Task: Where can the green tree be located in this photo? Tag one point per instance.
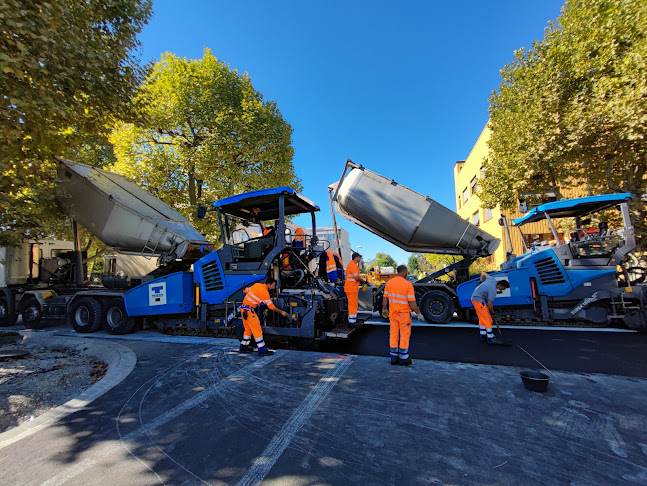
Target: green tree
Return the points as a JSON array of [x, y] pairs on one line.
[[384, 260], [68, 70], [571, 110], [412, 265], [206, 134]]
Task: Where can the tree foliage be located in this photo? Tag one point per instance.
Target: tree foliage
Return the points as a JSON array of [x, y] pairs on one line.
[[384, 260], [206, 134], [572, 109], [67, 70]]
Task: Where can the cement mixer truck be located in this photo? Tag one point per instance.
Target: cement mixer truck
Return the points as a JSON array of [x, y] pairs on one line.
[[583, 281]]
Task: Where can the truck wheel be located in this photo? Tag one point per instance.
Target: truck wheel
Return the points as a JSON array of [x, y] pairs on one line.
[[437, 307], [32, 314], [6, 318], [117, 320], [86, 315]]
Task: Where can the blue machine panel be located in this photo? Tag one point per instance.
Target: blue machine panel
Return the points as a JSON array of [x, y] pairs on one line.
[[170, 294], [215, 288]]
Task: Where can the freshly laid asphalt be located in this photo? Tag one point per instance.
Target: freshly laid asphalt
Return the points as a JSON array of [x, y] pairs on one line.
[[195, 411]]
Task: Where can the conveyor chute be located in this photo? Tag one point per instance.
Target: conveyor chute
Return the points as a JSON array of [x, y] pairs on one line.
[[122, 214], [409, 220]]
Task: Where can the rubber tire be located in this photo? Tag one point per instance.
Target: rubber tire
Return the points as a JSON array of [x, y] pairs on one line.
[[6, 319], [117, 321], [437, 307], [88, 309], [32, 314]]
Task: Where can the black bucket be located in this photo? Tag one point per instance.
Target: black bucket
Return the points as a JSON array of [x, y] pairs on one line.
[[535, 380]]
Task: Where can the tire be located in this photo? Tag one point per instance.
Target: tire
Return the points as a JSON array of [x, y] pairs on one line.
[[117, 320], [437, 307], [86, 315], [32, 317], [7, 318]]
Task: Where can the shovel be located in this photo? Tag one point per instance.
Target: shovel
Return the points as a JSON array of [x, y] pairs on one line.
[[502, 338]]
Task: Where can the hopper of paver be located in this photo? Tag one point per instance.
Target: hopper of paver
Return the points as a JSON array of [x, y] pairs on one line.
[[409, 220], [123, 215]]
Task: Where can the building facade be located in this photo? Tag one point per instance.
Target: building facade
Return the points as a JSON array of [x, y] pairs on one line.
[[467, 174], [327, 234]]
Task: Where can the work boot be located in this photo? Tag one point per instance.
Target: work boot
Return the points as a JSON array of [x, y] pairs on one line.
[[408, 362], [267, 352], [494, 340], [483, 338], [245, 349], [395, 362]]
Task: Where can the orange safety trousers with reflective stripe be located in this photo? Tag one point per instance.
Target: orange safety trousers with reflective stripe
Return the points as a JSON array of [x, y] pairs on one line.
[[399, 329], [351, 287], [252, 324], [483, 313]]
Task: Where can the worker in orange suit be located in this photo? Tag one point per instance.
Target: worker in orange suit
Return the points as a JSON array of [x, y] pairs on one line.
[[254, 295], [401, 299], [351, 287]]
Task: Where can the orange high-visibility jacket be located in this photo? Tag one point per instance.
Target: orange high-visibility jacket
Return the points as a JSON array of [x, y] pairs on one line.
[[331, 266], [256, 294], [352, 271], [300, 238], [399, 291]]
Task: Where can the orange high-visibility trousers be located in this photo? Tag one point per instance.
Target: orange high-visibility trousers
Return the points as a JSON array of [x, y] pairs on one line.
[[483, 313], [252, 325], [351, 294], [399, 330]]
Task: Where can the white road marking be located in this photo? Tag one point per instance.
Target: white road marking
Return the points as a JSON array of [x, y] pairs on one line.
[[109, 448], [264, 463]]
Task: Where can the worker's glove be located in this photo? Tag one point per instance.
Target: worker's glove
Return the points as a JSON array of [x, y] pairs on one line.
[[420, 317], [385, 314]]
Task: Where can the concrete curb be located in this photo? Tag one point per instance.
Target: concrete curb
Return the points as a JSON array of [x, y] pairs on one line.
[[120, 360]]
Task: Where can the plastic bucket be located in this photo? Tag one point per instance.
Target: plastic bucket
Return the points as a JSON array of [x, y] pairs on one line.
[[535, 380]]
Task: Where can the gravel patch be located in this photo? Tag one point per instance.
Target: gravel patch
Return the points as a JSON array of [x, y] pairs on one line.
[[42, 379]]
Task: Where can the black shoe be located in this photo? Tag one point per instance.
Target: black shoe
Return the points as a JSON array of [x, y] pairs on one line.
[[494, 341], [408, 362], [483, 339], [396, 362], [245, 349], [267, 352]]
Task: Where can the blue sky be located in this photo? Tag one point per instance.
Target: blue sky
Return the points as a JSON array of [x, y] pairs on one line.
[[399, 87]]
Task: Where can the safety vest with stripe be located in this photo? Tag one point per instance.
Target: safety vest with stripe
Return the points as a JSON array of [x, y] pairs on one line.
[[331, 266], [352, 271], [399, 292], [256, 294]]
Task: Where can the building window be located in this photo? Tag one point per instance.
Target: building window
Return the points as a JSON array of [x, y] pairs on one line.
[[475, 218], [474, 185], [466, 195], [487, 214]]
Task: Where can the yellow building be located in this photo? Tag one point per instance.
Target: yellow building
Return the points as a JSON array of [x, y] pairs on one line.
[[467, 174]]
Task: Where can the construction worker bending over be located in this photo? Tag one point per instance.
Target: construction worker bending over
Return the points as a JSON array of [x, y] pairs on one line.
[[482, 298], [401, 298], [351, 287], [254, 295]]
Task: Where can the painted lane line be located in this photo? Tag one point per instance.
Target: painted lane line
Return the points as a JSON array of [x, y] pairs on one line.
[[115, 446], [264, 463]]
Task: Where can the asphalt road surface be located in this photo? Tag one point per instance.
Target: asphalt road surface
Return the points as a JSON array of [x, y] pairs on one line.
[[196, 411], [608, 351]]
